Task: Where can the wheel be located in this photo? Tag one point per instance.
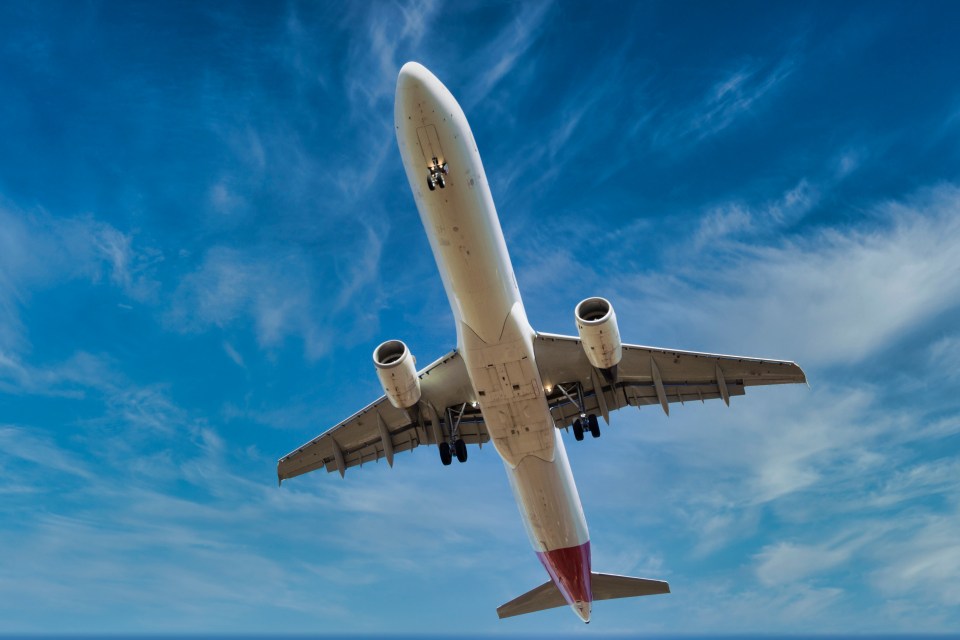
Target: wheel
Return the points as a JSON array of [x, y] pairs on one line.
[[445, 456], [578, 429], [441, 182], [593, 425], [431, 184], [460, 448]]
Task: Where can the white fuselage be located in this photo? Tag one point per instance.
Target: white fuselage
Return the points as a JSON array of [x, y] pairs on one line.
[[494, 337]]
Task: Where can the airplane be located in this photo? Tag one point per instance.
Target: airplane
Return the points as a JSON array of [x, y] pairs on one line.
[[506, 383]]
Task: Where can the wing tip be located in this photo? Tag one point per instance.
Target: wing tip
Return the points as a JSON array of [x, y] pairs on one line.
[[803, 374]]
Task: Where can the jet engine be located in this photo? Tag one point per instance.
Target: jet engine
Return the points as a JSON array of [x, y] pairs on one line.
[[396, 368], [597, 325]]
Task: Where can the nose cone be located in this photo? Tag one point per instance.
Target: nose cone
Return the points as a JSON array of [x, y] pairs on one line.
[[419, 92], [412, 72], [416, 78]]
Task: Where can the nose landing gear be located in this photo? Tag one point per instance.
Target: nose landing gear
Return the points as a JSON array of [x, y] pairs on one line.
[[435, 177]]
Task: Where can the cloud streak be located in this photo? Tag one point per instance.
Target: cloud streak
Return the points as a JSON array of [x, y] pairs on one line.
[[734, 97], [39, 251]]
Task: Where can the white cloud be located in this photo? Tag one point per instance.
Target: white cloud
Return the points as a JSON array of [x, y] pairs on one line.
[[70, 378], [835, 296], [738, 220], [372, 63], [848, 162], [945, 356], [787, 562], [38, 250], [275, 291], [733, 97], [925, 561], [17, 442], [124, 538], [496, 60], [233, 354]]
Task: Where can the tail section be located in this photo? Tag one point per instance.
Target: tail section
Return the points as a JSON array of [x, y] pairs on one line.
[[606, 586]]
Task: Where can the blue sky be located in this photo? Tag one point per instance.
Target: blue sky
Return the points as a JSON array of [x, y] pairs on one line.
[[205, 229]]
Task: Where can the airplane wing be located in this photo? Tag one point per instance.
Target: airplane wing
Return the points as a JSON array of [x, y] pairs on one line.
[[647, 375], [379, 430]]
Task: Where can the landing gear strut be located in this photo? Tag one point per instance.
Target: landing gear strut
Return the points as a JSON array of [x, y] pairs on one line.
[[454, 444], [435, 177], [585, 422]]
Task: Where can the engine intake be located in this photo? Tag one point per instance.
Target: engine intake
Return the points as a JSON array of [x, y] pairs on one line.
[[599, 334], [396, 368]]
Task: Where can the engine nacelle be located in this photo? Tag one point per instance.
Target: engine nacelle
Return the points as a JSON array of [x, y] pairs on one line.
[[397, 371], [599, 334]]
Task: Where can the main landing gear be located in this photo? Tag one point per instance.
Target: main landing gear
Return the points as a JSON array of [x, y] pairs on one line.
[[458, 449], [435, 177], [454, 445], [585, 422]]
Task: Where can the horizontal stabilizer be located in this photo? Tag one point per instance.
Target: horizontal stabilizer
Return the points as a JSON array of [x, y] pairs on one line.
[[606, 586], [546, 596]]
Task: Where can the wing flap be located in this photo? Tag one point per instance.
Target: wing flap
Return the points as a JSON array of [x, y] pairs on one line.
[[684, 376]]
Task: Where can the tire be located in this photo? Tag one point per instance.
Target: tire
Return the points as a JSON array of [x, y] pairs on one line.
[[594, 425], [445, 456], [441, 182], [460, 448], [578, 429], [431, 185]]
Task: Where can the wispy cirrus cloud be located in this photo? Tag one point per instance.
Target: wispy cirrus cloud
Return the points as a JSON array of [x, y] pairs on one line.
[[123, 532], [833, 480], [280, 291], [736, 220], [374, 61], [275, 292], [42, 452], [38, 251], [499, 58], [822, 475], [836, 295], [787, 562], [735, 96]]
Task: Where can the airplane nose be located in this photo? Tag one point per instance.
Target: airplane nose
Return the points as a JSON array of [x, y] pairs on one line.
[[413, 75]]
